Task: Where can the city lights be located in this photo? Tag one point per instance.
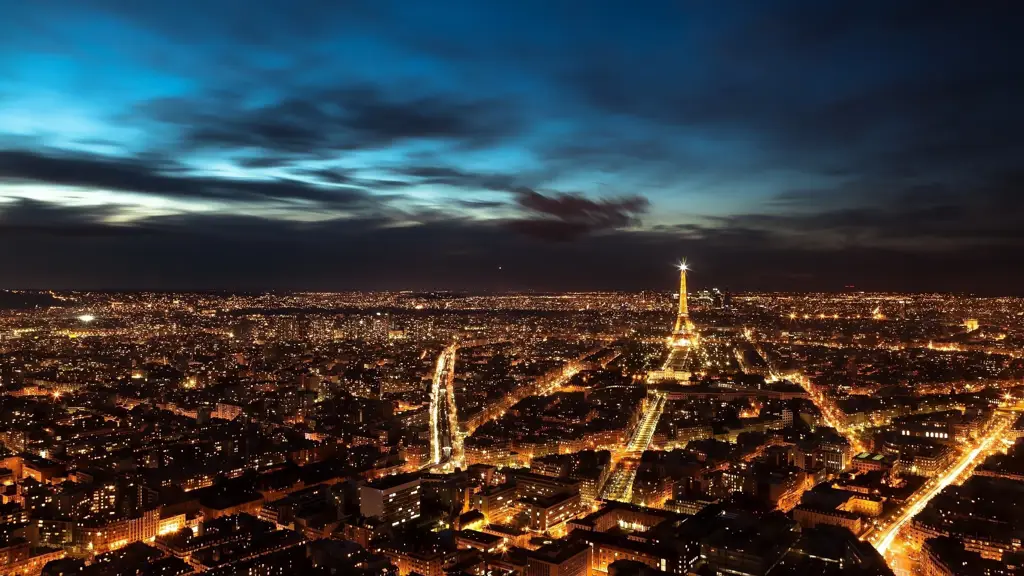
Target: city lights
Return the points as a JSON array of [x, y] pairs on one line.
[[554, 406], [511, 289]]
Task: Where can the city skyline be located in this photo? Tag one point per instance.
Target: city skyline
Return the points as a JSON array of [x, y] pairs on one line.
[[520, 288], [522, 146], [220, 433]]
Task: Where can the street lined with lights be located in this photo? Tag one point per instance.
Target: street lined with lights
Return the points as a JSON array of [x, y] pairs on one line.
[[619, 485], [443, 419], [884, 538]]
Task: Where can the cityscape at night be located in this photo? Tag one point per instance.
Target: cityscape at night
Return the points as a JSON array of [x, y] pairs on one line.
[[511, 288], [439, 433]]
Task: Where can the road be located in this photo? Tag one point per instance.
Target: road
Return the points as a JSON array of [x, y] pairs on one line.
[[445, 444], [645, 431], [620, 485], [828, 408], [884, 536], [883, 539], [832, 414], [548, 384]]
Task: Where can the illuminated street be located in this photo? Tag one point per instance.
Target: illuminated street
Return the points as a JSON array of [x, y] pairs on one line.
[[620, 485], [831, 413], [683, 346], [642, 438], [444, 437], [883, 539]]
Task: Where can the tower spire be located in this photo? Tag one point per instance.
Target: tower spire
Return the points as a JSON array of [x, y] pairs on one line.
[[683, 316]]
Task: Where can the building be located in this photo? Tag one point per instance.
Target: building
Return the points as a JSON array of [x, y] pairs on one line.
[[609, 548], [650, 488], [834, 456], [590, 483], [14, 550], [451, 491], [946, 556], [561, 558], [870, 462], [738, 543], [393, 499], [487, 451], [99, 536], [637, 519], [938, 427], [495, 502], [225, 411], [864, 505], [928, 462], [621, 531], [810, 516], [510, 535], [547, 512], [229, 504], [473, 539], [482, 474], [550, 466], [529, 484], [38, 468], [32, 564], [686, 434], [425, 563], [590, 468], [284, 511]]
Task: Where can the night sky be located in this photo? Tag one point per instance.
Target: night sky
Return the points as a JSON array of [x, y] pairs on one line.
[[508, 145]]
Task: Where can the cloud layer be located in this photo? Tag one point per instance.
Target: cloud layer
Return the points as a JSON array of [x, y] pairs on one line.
[[377, 144]]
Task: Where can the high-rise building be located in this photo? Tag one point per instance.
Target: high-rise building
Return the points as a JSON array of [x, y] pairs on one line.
[[393, 499], [717, 298]]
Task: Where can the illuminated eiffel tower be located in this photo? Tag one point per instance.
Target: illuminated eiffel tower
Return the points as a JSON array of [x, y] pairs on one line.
[[684, 328], [682, 343]]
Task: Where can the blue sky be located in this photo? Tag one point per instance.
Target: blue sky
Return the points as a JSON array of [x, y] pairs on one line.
[[462, 134]]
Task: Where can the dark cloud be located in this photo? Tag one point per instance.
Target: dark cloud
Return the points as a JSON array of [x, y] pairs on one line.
[[163, 179], [326, 121], [456, 178], [926, 217], [28, 218], [566, 216], [349, 178], [259, 162], [237, 252], [378, 119], [833, 143], [864, 88], [482, 204]]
